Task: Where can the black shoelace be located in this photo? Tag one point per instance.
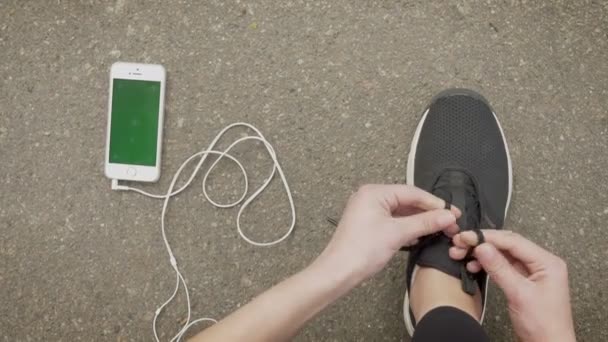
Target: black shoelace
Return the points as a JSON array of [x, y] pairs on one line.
[[468, 202]]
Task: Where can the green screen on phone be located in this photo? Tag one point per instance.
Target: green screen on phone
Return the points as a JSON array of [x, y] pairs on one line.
[[134, 122]]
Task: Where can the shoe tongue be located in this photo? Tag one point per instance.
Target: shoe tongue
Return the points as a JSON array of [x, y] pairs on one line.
[[457, 188], [435, 255]]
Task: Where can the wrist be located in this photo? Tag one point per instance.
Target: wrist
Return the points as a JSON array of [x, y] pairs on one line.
[[337, 276]]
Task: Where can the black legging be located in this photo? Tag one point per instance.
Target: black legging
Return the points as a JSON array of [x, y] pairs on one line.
[[447, 323]]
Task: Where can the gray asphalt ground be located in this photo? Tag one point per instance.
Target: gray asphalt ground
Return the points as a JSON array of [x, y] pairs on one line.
[[338, 87]]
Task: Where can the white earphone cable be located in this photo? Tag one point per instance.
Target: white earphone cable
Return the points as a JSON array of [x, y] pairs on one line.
[[242, 199]]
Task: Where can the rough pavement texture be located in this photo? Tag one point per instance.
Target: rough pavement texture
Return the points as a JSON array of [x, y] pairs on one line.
[[338, 87]]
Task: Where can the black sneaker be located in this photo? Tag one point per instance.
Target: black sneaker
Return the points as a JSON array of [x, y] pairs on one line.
[[459, 153]]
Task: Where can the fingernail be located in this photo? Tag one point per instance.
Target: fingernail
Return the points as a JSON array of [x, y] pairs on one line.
[[484, 252], [468, 237], [452, 230], [446, 218]]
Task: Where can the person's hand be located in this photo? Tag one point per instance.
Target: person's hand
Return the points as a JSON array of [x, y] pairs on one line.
[[379, 220], [534, 281]]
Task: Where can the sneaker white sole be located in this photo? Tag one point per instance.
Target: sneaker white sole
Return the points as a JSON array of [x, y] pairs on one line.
[[409, 324]]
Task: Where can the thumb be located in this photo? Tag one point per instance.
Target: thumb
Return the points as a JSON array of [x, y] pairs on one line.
[[425, 223], [499, 269]]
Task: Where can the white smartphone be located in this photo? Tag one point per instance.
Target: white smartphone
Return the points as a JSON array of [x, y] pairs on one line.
[[135, 122]]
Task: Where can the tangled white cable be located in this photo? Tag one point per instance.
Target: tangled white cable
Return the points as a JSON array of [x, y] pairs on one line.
[[179, 279]]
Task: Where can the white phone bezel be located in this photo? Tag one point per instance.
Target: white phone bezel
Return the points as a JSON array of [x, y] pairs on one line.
[[143, 72]]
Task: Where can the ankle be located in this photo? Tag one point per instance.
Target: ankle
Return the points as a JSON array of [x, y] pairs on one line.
[[432, 288]]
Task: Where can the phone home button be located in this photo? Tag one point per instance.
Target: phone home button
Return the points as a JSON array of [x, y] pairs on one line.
[[131, 171]]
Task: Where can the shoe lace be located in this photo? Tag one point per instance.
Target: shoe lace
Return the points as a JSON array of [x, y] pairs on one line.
[[469, 204], [465, 196], [468, 201]]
